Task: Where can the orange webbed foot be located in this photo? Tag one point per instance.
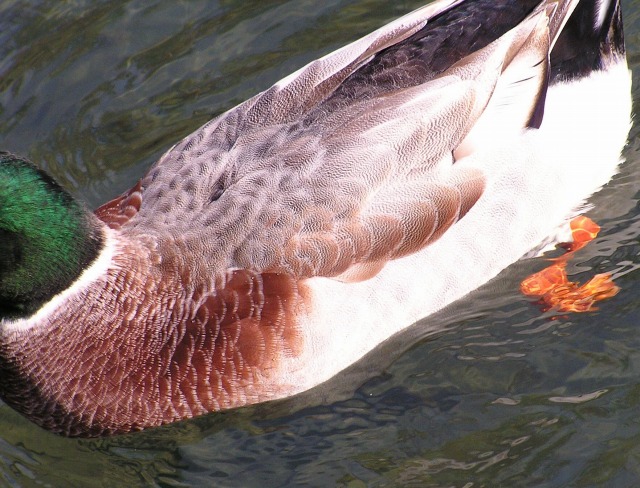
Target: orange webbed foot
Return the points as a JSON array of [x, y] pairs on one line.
[[583, 231], [554, 288]]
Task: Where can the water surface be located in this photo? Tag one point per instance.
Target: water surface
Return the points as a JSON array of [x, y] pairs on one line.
[[95, 91]]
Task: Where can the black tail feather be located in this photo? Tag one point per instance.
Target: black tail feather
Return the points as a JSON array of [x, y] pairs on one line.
[[592, 39]]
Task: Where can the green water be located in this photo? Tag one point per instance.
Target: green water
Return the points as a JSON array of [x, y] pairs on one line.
[[508, 396]]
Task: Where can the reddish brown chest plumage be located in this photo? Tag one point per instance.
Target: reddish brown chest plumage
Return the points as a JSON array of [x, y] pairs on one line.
[[160, 350]]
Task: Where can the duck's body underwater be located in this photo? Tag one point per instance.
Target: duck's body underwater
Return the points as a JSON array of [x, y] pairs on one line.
[[285, 239]]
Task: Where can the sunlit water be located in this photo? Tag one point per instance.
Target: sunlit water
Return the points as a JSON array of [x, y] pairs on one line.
[[507, 396]]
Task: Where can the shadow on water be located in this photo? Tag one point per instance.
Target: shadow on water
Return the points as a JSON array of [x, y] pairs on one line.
[[489, 392]]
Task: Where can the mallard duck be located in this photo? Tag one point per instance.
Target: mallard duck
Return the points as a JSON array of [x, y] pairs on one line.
[[288, 237]]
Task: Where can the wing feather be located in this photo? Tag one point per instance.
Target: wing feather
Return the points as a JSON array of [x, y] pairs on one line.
[[286, 183]]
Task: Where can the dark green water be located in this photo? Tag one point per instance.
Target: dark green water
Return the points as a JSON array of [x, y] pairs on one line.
[[508, 396]]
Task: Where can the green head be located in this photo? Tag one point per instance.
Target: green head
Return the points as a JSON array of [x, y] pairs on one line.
[[46, 238]]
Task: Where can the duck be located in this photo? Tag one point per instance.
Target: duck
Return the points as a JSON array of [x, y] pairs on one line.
[[285, 239]]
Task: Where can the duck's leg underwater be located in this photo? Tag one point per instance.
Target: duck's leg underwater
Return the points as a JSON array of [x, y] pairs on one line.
[[552, 286], [603, 48]]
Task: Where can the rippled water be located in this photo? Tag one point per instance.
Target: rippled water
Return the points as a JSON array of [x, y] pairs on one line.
[[507, 396]]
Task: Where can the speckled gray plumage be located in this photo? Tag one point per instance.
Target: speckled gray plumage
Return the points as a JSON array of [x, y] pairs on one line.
[[308, 168]]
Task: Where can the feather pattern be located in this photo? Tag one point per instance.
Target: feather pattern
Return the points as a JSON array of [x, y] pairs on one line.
[[290, 181]]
